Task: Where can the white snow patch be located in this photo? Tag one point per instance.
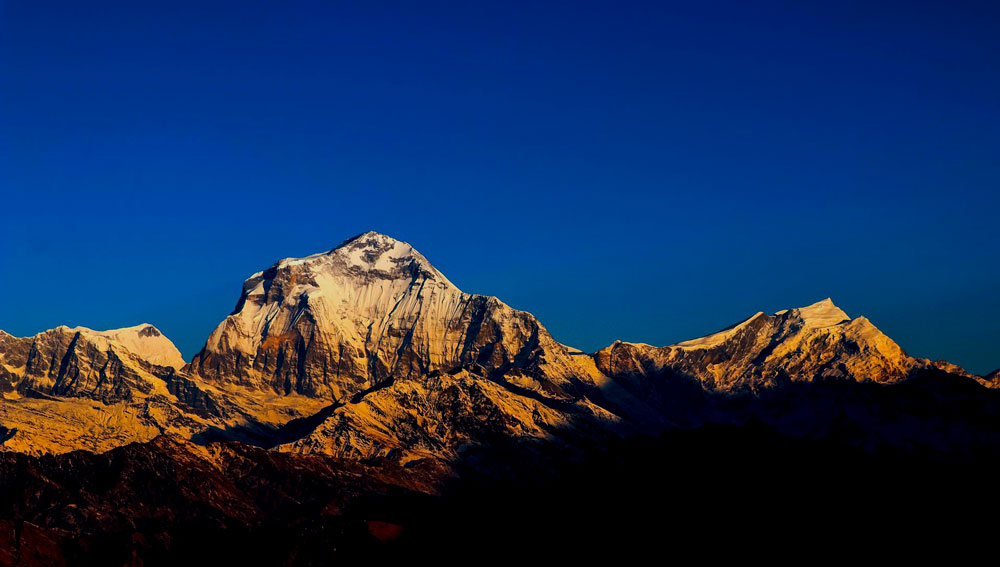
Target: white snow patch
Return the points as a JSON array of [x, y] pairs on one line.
[[144, 341], [820, 314], [716, 338]]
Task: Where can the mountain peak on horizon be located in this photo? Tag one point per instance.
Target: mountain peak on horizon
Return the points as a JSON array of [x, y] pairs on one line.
[[365, 236], [369, 254], [376, 251], [823, 313], [143, 340]]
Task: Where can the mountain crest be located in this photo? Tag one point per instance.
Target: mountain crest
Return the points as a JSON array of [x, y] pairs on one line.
[[803, 343], [370, 255], [144, 341], [820, 314], [113, 365], [371, 310]]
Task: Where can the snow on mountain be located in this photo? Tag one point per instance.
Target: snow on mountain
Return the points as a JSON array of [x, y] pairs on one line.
[[373, 309], [818, 340], [368, 351], [820, 314], [106, 364], [717, 339], [77, 388], [144, 341], [403, 355]]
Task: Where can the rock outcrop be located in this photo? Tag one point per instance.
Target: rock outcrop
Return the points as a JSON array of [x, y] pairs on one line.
[[114, 365], [991, 380], [75, 388]]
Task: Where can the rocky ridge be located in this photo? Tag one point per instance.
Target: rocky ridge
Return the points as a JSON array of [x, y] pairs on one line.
[[992, 379], [816, 341]]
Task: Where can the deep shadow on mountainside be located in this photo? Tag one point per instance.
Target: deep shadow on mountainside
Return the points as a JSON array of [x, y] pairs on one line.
[[170, 501]]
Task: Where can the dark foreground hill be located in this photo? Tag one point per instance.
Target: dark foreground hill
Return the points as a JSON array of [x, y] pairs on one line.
[[720, 489]]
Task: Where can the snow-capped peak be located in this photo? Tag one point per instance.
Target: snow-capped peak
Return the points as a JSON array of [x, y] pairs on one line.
[[717, 338], [356, 290], [366, 237], [145, 341], [820, 314], [374, 251], [370, 253]]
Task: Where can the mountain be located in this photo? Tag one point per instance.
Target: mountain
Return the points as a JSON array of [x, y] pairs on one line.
[[814, 372], [412, 368], [816, 341], [369, 311], [112, 364], [357, 394], [77, 388], [368, 351], [407, 361]]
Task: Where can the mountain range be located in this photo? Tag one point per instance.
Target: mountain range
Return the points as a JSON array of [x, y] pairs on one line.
[[367, 362]]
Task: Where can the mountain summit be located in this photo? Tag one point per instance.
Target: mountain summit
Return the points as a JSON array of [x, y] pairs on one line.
[[823, 313], [381, 254], [113, 364], [802, 344]]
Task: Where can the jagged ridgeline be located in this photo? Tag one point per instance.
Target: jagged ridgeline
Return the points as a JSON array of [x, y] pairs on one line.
[[368, 351]]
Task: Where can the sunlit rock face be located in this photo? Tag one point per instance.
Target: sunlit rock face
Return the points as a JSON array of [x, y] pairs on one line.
[[817, 341], [992, 379], [77, 388], [370, 311], [435, 416], [114, 365]]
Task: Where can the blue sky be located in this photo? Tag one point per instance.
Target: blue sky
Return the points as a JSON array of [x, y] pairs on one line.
[[624, 171]]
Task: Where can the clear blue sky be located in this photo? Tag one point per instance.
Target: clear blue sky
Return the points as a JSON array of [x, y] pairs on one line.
[[648, 173]]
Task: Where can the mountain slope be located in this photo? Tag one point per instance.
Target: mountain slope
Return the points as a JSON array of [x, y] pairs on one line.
[[992, 379], [110, 365], [77, 388], [438, 415], [168, 502], [816, 341]]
